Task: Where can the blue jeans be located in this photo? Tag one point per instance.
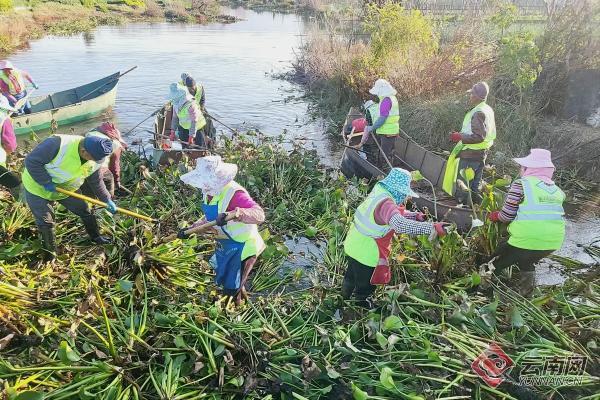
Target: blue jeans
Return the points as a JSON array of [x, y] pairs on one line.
[[462, 195]]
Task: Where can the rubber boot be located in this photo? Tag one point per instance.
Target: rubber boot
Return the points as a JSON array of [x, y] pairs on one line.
[[48, 242], [91, 227]]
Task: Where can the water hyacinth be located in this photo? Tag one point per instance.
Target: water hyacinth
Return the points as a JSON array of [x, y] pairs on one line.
[[141, 319]]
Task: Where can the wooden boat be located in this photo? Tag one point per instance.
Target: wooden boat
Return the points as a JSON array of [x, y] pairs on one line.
[[69, 106], [163, 150], [410, 156]]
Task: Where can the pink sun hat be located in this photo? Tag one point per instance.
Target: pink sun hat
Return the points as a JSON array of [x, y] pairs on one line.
[[5, 64], [537, 158]]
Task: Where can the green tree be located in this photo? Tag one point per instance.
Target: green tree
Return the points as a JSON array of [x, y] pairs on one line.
[[519, 59], [396, 33], [505, 15], [6, 5]]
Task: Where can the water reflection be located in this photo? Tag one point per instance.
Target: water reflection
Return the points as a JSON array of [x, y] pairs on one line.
[[234, 62]]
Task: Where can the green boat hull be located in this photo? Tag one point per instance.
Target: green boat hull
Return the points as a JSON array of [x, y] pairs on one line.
[[68, 107]]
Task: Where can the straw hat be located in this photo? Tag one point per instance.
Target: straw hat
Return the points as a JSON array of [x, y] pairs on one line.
[[397, 182], [210, 172], [382, 88], [5, 64], [537, 158], [5, 105]]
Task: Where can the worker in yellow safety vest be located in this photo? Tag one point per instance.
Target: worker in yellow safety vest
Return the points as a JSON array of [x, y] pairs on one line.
[[110, 170], [238, 241], [198, 93], [385, 120], [13, 85], [196, 90], [535, 216], [65, 161], [187, 119], [369, 240], [473, 142], [8, 144]]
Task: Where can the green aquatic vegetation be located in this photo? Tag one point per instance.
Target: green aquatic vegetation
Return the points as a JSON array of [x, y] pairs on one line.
[[142, 319]]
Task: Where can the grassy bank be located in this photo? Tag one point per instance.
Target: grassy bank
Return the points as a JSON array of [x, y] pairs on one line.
[[283, 6], [432, 61], [142, 319], [24, 22]]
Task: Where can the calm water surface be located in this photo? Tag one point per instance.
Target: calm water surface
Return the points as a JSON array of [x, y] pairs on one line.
[[235, 63]]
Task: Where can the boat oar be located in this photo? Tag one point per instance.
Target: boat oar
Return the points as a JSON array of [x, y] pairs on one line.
[[201, 228], [144, 120], [106, 83], [235, 132], [103, 204], [382, 152]]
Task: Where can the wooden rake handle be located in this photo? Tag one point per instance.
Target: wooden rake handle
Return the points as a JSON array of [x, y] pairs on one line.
[[201, 228], [103, 204]]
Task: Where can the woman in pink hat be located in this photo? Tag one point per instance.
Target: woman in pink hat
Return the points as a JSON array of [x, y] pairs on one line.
[[13, 85], [535, 216], [110, 171], [238, 241]]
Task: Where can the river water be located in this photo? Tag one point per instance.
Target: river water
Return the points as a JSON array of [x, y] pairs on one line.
[[236, 63]]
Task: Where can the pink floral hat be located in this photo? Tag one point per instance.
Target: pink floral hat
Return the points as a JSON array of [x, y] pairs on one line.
[[210, 173]]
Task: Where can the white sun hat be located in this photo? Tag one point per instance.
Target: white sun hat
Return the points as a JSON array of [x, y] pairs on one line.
[[382, 88], [5, 64], [210, 173], [5, 105]]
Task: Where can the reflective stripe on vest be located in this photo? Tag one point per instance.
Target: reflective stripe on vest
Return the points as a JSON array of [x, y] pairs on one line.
[[184, 117], [373, 112], [238, 231], [15, 85], [360, 243], [3, 117], [391, 126], [65, 169], [115, 143], [364, 217], [490, 126], [539, 224]]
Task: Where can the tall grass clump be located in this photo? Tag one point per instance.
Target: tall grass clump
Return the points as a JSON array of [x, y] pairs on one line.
[[432, 62], [153, 9]]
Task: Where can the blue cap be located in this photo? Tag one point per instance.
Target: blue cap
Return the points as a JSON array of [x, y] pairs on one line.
[[398, 184], [98, 147]]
